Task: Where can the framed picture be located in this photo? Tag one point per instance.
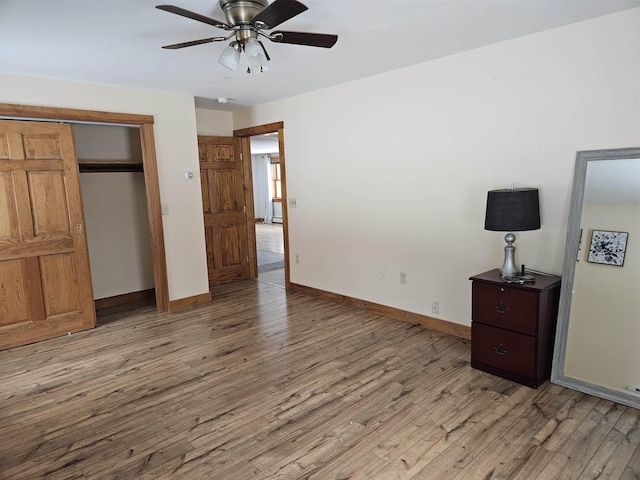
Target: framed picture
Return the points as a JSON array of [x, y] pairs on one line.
[[608, 247]]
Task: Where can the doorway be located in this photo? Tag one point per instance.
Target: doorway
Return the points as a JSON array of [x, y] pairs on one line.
[[268, 241], [267, 198]]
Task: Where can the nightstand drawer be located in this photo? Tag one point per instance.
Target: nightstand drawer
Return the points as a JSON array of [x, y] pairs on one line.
[[504, 307], [509, 351]]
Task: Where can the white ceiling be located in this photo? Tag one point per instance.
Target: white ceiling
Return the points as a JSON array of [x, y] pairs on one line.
[[118, 41]]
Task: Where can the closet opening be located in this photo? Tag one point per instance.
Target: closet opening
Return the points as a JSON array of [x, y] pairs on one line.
[[113, 193], [139, 129]]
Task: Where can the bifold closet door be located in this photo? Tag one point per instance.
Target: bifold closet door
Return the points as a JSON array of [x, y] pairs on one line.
[[45, 281]]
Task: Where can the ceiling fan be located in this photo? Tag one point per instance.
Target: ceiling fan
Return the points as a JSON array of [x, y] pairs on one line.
[[248, 20]]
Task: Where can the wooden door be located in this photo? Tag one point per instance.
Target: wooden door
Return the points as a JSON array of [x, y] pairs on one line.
[[45, 282], [223, 200]]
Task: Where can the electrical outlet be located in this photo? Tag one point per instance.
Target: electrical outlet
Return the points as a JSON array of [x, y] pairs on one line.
[[435, 307], [403, 278]]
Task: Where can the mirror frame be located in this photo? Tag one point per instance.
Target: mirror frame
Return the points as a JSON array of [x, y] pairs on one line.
[[558, 375]]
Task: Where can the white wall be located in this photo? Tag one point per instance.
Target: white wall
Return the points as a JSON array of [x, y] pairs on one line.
[[213, 122], [107, 143], [605, 303], [176, 150], [117, 226], [391, 172]]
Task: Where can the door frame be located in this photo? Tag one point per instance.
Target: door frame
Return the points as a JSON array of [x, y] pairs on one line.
[[150, 166], [244, 136]]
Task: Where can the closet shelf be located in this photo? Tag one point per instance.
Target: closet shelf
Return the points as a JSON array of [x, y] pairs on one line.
[[102, 166]]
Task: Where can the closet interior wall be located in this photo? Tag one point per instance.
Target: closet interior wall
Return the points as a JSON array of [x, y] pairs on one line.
[[115, 209]]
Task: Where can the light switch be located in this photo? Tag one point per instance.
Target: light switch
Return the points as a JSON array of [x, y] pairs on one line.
[[165, 209], [293, 202]]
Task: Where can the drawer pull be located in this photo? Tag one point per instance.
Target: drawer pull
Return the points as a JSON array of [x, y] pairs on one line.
[[500, 349], [502, 307]]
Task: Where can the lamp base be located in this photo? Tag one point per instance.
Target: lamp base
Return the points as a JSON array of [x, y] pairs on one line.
[[508, 268]]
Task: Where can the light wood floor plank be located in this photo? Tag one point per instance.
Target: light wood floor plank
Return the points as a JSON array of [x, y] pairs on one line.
[[261, 385], [573, 457], [632, 472]]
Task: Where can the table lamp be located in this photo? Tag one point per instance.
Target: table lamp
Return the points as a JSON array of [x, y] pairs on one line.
[[512, 210]]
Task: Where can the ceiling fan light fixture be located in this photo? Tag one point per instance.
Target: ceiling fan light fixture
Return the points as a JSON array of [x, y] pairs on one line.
[[256, 55], [230, 56]]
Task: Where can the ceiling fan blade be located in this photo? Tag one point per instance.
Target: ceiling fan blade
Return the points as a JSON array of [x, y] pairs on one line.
[[279, 11], [304, 38], [193, 16], [194, 42]]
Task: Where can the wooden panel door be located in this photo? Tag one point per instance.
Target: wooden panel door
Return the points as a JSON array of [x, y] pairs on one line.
[[223, 200], [45, 281]]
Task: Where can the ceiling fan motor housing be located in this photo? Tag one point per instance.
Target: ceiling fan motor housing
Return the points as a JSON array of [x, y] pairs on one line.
[[238, 12]]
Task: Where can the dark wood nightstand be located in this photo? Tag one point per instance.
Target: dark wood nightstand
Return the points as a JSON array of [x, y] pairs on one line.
[[513, 326]]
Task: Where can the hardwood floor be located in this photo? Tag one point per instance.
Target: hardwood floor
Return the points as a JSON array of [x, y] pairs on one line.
[[269, 238], [260, 385], [270, 250]]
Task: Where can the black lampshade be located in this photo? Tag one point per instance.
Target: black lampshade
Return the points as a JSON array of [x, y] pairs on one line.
[[512, 210]]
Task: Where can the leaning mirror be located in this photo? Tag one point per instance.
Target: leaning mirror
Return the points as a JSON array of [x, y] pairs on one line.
[[597, 347]]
